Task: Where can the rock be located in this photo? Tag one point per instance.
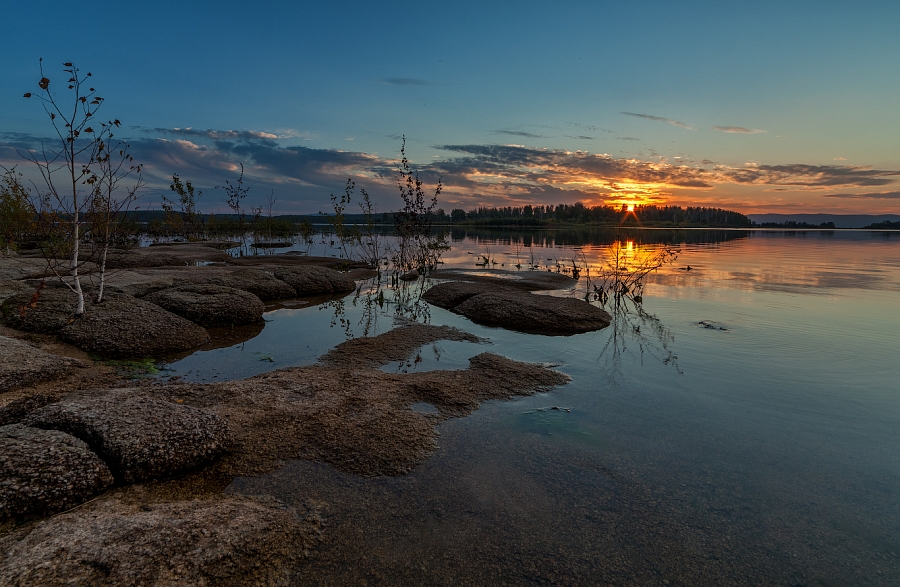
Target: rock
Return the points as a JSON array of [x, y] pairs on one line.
[[139, 437], [22, 364], [16, 410], [535, 314], [410, 276], [523, 280], [45, 471], [452, 293], [147, 257], [53, 308], [126, 327], [210, 305], [227, 542], [261, 284], [308, 281]]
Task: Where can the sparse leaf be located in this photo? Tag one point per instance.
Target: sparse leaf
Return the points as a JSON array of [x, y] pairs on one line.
[[44, 83], [27, 94], [67, 64]]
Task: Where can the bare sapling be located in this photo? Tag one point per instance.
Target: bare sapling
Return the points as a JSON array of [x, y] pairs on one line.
[[64, 169], [110, 200]]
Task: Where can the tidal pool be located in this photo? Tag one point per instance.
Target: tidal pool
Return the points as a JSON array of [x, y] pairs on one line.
[[764, 450]]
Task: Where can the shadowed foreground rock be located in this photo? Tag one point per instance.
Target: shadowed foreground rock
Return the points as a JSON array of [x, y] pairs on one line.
[[22, 364], [210, 305], [45, 471], [120, 327], [139, 437], [452, 293], [228, 542], [308, 281]]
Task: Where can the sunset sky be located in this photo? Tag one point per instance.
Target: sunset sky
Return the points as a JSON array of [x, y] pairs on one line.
[[752, 106]]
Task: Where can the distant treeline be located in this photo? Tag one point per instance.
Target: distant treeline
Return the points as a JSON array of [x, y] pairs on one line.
[[536, 216], [578, 213], [793, 224], [886, 224]]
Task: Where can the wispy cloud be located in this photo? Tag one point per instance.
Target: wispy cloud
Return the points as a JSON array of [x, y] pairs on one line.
[[580, 137], [738, 130], [659, 119], [217, 135], [627, 139], [867, 196], [518, 133], [405, 81]]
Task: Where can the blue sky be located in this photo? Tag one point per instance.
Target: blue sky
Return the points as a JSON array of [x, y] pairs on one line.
[[759, 107]]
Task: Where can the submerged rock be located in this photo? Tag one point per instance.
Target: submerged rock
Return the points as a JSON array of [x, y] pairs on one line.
[[22, 364], [126, 327], [535, 314], [46, 471], [210, 305], [311, 280], [139, 437], [522, 280], [227, 542]]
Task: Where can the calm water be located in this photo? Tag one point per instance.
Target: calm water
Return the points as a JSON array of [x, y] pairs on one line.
[[765, 450]]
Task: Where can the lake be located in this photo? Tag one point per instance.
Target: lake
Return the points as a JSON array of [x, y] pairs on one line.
[[740, 426]]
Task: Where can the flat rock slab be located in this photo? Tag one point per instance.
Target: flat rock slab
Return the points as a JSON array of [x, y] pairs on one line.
[[523, 280], [261, 284], [139, 437], [534, 314], [46, 471], [43, 311], [210, 305], [22, 364], [450, 294], [126, 327], [227, 542], [308, 281]]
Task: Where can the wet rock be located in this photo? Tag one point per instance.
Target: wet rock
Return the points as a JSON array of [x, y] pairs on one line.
[[146, 257], [16, 410], [22, 364], [210, 305], [139, 437], [410, 276], [535, 314], [227, 542], [312, 280], [126, 327], [45, 471], [261, 284], [452, 293]]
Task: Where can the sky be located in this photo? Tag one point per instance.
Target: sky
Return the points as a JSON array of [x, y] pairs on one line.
[[753, 106]]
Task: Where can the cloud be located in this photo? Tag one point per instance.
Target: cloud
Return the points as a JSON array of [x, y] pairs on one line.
[[627, 139], [518, 133], [738, 130], [840, 158], [405, 81], [867, 196], [246, 135], [580, 137], [659, 119], [812, 176]]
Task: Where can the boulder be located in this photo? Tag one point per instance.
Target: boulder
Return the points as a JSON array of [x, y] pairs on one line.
[[227, 542], [126, 327], [411, 275], [523, 280], [261, 284], [308, 281], [22, 364], [16, 410], [452, 293], [534, 314], [45, 471], [139, 436], [210, 305], [42, 311]]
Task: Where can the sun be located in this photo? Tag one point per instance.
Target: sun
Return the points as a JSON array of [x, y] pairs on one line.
[[631, 207]]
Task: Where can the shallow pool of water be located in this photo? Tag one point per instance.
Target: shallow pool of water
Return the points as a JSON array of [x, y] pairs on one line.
[[763, 450]]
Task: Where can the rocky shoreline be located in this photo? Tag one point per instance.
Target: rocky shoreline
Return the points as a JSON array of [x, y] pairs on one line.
[[136, 472]]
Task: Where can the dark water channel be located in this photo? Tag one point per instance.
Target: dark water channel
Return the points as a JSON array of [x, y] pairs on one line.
[[745, 432]]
